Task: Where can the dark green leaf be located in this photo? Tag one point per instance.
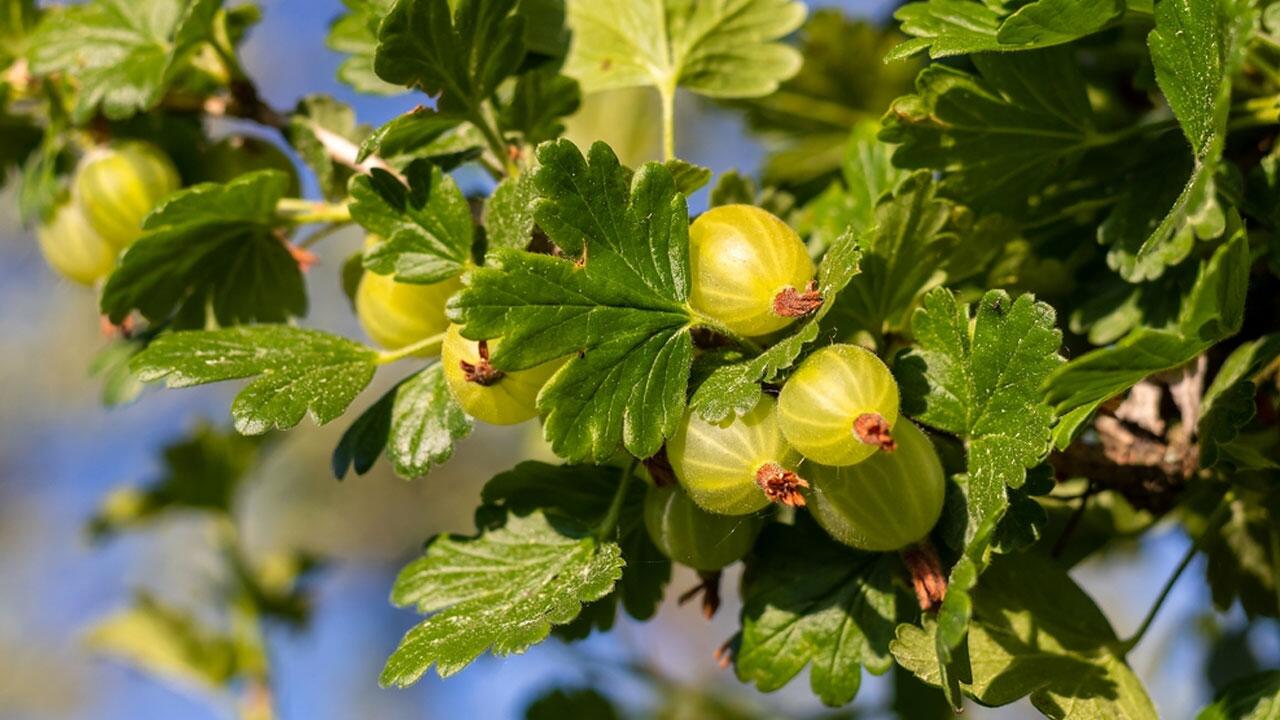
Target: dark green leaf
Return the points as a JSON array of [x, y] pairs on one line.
[[622, 313], [409, 133], [1256, 697], [426, 227], [1244, 554], [211, 247], [298, 371], [501, 592], [562, 704], [1036, 633], [807, 600], [1213, 311], [962, 27], [460, 56], [122, 53], [1229, 402], [540, 101], [733, 188], [735, 389]]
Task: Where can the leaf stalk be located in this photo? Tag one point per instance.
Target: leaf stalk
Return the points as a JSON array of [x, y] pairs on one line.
[[609, 523], [427, 345]]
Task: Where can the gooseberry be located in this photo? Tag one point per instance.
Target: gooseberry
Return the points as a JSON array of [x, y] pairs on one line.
[[72, 248], [234, 156], [738, 466], [692, 536], [118, 185], [396, 314], [839, 406], [750, 270], [890, 501], [484, 392]]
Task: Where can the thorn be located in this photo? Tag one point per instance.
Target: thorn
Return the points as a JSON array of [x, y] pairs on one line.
[[781, 485], [793, 303], [872, 429], [724, 654], [110, 330], [927, 578], [709, 589]]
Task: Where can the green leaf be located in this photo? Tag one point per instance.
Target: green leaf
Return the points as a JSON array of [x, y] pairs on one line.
[[460, 56], [211, 247], [902, 255], [981, 379], [111, 365], [689, 178], [562, 703], [168, 643], [407, 134], [963, 27], [1213, 311], [297, 371], [1256, 697], [203, 471], [996, 139], [735, 389], [539, 102], [1196, 49], [622, 314], [501, 592], [584, 492], [733, 187], [316, 117], [355, 34], [122, 53], [1228, 405], [1244, 554], [426, 227], [807, 600], [1036, 633], [720, 49], [508, 213]]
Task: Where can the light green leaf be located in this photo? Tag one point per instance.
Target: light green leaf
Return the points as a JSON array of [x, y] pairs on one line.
[[995, 137], [426, 227], [718, 48], [407, 134], [297, 371], [211, 248], [1213, 311], [1036, 633], [981, 379], [807, 600], [122, 53], [1197, 48], [500, 592], [735, 389], [168, 643], [622, 314], [18, 19], [585, 492], [508, 213], [355, 34], [963, 27], [460, 56], [1256, 697]]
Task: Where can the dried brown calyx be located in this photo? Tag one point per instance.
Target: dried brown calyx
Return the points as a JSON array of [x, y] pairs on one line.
[[873, 429], [482, 372], [781, 485], [794, 303], [927, 578], [709, 589]]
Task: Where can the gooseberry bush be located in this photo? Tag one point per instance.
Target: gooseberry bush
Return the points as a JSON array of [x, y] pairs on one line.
[[1003, 296]]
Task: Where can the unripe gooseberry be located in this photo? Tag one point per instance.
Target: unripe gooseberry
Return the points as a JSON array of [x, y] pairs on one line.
[[839, 406], [694, 537], [738, 466], [72, 248], [886, 503], [484, 392], [234, 156], [750, 270], [396, 314], [118, 185]]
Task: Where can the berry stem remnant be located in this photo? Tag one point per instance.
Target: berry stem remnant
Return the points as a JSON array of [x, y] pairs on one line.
[[781, 485], [873, 429], [793, 303], [927, 578]]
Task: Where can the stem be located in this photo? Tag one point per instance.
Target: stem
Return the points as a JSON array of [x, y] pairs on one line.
[[320, 234], [483, 118], [427, 344], [1219, 514], [305, 212], [711, 323], [609, 523], [668, 94]]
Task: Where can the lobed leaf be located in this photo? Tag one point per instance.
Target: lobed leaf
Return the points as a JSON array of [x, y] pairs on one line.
[[501, 591], [426, 227], [297, 371]]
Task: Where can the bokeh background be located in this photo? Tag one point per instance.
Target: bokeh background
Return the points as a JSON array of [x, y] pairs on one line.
[[61, 453]]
